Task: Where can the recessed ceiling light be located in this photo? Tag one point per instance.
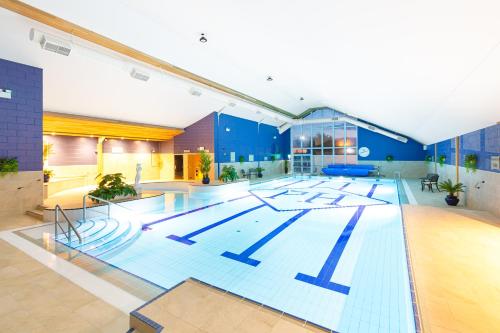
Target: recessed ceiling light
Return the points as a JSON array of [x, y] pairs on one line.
[[270, 78], [203, 39], [302, 98]]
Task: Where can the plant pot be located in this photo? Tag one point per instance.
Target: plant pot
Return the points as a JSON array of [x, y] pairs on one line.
[[451, 200], [206, 180], [46, 178], [259, 175]]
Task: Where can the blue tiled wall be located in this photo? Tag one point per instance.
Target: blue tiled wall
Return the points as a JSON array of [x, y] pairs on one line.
[[380, 146], [245, 137], [21, 116], [484, 143]]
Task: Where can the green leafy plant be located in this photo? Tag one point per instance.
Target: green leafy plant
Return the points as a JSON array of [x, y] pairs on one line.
[[428, 158], [273, 158], [8, 165], [47, 150], [389, 158], [259, 171], [228, 174], [47, 174], [470, 162], [205, 163], [451, 188], [442, 160], [286, 166], [112, 186], [242, 159]]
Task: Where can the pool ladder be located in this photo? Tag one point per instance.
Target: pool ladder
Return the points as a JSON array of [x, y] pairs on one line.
[[59, 210]]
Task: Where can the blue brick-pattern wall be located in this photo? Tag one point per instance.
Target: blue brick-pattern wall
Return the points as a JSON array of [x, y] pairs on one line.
[[246, 137], [380, 146], [21, 116], [485, 143]]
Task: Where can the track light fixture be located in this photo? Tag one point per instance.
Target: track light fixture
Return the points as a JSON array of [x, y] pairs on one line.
[[203, 39], [269, 78]]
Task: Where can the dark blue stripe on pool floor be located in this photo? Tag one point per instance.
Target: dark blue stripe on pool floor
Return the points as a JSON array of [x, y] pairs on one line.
[[244, 256], [186, 238]]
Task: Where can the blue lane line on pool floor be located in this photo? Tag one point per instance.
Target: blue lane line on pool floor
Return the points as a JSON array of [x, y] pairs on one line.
[[326, 272], [186, 238], [244, 256], [146, 226], [299, 181]]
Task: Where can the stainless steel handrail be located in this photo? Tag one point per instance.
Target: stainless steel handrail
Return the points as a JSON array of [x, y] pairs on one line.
[[107, 202], [58, 209]]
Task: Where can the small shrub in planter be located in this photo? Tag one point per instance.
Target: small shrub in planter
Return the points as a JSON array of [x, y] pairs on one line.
[[389, 158], [441, 160], [259, 171], [242, 159], [452, 189], [470, 162], [228, 174], [428, 158], [112, 186], [205, 166], [47, 174], [8, 165]]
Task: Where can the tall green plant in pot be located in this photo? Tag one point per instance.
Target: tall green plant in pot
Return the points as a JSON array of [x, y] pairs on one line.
[[453, 190], [8, 165], [205, 166]]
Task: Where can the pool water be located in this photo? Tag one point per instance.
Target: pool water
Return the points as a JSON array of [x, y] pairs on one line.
[[329, 251]]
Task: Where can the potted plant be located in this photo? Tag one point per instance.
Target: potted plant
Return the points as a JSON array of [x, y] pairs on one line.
[[441, 160], [389, 158], [428, 158], [8, 165], [259, 171], [112, 186], [228, 174], [47, 174], [470, 162], [205, 166], [242, 159], [453, 190], [286, 166], [273, 158]]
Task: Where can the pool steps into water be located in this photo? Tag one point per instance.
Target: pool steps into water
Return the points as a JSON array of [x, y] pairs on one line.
[[103, 236]]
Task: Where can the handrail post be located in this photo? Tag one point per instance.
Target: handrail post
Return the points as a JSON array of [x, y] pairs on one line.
[[84, 208], [56, 217], [109, 210]]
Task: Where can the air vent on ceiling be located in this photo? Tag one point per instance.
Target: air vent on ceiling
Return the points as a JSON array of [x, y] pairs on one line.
[[373, 128], [195, 92], [136, 74], [54, 45]]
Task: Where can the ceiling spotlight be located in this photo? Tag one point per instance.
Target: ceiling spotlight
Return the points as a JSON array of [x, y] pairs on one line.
[[203, 39], [269, 78], [302, 98]]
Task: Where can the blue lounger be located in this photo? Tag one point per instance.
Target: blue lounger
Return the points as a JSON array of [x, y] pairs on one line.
[[361, 170]]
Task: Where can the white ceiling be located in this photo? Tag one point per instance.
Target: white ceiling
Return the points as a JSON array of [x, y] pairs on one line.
[[427, 69]]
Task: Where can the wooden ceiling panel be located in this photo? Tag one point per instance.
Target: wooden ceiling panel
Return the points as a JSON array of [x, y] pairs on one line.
[[64, 124]]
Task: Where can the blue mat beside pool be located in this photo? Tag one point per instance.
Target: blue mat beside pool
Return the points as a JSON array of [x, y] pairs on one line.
[[348, 170]]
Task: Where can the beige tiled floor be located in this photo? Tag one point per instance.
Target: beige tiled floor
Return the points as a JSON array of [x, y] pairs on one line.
[[19, 221], [35, 299], [456, 265], [195, 307]]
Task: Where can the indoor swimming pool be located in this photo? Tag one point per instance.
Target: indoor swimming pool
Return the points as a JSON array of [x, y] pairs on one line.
[[328, 251]]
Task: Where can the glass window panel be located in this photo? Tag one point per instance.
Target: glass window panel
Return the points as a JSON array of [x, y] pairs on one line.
[[316, 151], [351, 135], [306, 136], [339, 151], [352, 159], [339, 135], [327, 159], [296, 133], [316, 135], [327, 151], [327, 135]]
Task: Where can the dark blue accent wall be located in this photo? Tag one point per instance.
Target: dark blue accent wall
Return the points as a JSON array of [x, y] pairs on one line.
[[380, 146], [246, 137], [21, 116], [484, 143]]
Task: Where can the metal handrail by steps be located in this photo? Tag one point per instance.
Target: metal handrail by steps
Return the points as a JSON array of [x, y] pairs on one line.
[[58, 209]]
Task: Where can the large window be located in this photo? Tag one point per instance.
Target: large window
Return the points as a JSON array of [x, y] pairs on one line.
[[332, 142]]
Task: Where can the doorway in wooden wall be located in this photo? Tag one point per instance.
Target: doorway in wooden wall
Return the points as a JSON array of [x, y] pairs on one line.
[[179, 166], [194, 167]]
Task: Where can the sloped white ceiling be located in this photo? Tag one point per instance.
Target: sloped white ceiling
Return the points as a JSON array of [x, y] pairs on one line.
[[427, 69]]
